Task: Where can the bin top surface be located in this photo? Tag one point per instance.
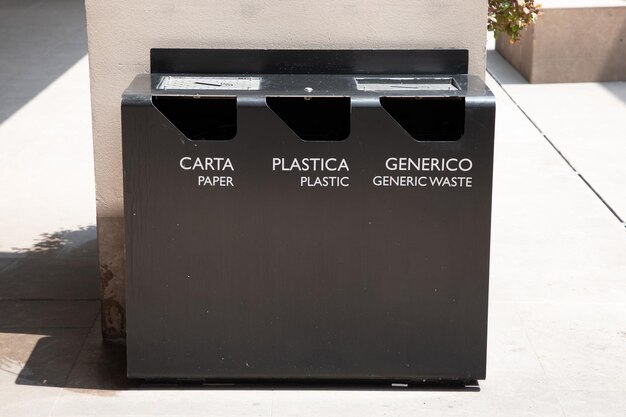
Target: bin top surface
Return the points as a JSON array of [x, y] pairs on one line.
[[307, 85], [253, 74]]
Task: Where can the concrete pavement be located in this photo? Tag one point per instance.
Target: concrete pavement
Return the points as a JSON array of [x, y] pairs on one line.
[[557, 330]]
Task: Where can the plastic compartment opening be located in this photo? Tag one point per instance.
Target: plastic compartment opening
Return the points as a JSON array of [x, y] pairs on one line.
[[210, 118], [428, 118], [314, 118]]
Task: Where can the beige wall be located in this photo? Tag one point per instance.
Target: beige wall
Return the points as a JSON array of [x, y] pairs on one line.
[[121, 33]]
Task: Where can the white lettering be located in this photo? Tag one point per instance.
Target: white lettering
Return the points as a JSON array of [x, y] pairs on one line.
[[206, 164], [215, 181], [309, 164], [324, 181], [411, 181], [428, 164], [182, 163]]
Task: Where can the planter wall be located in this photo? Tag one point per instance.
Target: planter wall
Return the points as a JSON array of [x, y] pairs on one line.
[[573, 44]]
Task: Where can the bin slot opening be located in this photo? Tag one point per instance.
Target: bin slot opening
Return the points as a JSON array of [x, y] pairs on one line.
[[405, 83], [428, 118], [314, 118], [204, 118]]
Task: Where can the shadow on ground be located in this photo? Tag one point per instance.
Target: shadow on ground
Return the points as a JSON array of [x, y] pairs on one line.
[[502, 71], [57, 267], [45, 38], [49, 310], [55, 340]]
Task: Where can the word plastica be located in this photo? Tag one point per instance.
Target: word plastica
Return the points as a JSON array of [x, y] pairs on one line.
[[214, 164], [321, 165], [458, 167]]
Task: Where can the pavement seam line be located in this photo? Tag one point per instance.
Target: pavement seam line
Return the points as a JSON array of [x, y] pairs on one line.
[[558, 151], [82, 346], [69, 373], [543, 369]]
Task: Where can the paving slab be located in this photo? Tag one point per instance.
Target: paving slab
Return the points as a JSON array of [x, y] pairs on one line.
[[46, 163], [100, 367], [552, 239], [62, 265], [600, 404], [582, 347], [42, 314], [34, 364], [555, 331], [40, 356], [557, 341], [558, 293], [40, 41], [585, 121], [509, 347], [555, 314], [44, 279], [14, 402], [508, 394], [47, 208]]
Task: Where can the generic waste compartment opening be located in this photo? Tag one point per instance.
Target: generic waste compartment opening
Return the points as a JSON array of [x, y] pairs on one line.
[[307, 215]]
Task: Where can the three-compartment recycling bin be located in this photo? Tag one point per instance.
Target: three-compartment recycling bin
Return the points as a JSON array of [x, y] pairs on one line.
[[307, 215]]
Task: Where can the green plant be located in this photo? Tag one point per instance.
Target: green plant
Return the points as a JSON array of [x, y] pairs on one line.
[[511, 17]]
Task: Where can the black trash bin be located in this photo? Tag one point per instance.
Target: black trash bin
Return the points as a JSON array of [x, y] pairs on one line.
[[307, 215]]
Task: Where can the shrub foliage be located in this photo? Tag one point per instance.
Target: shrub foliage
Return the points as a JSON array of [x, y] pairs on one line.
[[511, 17]]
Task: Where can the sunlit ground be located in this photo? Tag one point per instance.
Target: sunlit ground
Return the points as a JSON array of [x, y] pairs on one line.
[[46, 163]]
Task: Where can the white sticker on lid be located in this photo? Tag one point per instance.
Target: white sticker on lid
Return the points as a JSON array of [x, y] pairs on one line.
[[172, 82]]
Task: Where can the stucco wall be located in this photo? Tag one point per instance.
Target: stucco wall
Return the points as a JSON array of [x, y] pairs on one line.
[[121, 33]]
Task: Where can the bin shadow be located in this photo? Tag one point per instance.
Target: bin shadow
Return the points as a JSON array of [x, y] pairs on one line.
[[57, 342], [49, 304], [100, 367], [322, 385], [94, 366]]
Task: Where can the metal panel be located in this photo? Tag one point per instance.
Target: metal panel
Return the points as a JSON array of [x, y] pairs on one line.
[[309, 61], [275, 279]]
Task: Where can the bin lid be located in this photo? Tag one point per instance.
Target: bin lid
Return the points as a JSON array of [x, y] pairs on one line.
[[309, 61]]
